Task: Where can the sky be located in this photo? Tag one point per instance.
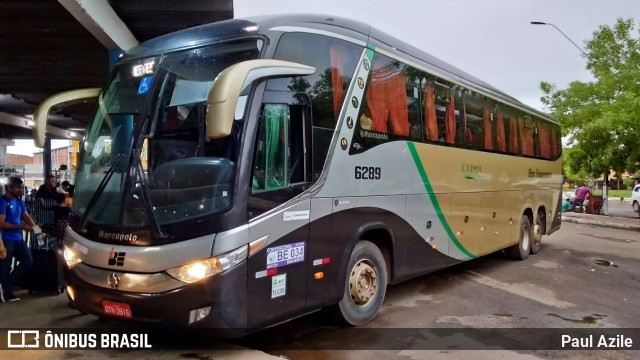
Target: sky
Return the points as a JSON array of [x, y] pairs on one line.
[[490, 39]]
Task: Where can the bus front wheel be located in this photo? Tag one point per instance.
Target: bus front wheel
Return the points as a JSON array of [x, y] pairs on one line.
[[365, 285], [521, 250]]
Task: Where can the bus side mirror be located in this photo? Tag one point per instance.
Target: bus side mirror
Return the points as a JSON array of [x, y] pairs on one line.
[[227, 87], [41, 114]]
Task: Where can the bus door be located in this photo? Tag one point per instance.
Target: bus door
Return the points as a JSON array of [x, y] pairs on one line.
[[281, 171]]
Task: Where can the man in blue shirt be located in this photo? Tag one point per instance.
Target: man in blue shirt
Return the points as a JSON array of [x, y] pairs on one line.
[[12, 214]]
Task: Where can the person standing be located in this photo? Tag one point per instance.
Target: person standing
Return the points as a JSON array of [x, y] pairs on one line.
[[581, 194], [12, 215], [47, 191], [45, 197]]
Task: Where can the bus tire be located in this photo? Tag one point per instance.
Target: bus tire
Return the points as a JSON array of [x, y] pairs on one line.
[[536, 240], [521, 250], [365, 285]]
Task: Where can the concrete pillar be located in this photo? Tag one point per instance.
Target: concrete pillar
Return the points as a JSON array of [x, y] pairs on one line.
[[46, 156]]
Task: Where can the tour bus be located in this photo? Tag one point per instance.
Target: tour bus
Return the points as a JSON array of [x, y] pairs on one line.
[[239, 174]]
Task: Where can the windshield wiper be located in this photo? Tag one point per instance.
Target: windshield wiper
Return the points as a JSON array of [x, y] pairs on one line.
[[146, 198], [99, 191]]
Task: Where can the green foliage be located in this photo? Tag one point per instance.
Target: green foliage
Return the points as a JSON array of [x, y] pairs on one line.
[[602, 117]]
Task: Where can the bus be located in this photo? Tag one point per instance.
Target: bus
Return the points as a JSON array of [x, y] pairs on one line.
[[239, 174]]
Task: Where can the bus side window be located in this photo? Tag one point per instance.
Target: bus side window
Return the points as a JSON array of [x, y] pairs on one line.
[[270, 168], [282, 160]]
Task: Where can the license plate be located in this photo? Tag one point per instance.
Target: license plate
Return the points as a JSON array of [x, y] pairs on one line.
[[116, 309], [285, 255]]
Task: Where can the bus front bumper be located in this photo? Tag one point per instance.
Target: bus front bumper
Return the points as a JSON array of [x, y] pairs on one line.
[[224, 294]]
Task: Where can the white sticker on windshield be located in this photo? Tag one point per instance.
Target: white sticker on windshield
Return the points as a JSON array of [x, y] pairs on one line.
[[278, 286]]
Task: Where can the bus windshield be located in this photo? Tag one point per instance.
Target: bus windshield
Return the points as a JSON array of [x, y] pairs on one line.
[[146, 154]]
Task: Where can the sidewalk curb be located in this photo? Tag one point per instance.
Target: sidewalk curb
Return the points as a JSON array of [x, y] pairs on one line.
[[609, 224]]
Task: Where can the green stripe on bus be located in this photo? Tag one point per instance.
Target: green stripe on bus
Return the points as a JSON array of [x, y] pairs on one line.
[[434, 200]]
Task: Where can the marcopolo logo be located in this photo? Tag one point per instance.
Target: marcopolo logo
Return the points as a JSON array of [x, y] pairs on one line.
[[116, 258], [118, 236]]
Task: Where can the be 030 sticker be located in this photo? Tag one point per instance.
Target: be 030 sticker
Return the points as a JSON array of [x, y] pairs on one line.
[[285, 255], [278, 286]]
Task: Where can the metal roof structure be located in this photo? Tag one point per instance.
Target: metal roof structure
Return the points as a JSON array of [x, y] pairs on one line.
[[52, 46]]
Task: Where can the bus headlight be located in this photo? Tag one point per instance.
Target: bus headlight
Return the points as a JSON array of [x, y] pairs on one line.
[[203, 269], [71, 257]]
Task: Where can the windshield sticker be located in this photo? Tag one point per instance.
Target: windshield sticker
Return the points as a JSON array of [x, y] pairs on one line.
[[278, 286], [285, 255], [145, 85]]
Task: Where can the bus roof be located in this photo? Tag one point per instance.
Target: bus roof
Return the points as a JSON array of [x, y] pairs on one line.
[[240, 28]]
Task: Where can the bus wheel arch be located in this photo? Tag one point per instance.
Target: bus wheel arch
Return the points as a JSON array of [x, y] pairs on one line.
[[383, 239], [539, 229], [521, 250], [365, 284]]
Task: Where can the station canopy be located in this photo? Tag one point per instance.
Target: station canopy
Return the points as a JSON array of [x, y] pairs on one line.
[[46, 49]]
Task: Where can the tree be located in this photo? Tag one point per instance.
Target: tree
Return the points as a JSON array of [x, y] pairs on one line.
[[602, 118]]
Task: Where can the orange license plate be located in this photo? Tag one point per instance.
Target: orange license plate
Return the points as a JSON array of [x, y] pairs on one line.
[[116, 309]]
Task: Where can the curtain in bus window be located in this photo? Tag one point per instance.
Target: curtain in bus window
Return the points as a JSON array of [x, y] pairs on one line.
[[502, 145], [450, 125], [554, 144], [513, 136], [526, 138], [488, 138], [543, 138], [387, 97], [376, 100], [337, 68], [430, 119]]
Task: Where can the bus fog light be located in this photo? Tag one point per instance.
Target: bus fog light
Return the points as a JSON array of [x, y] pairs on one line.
[[199, 314], [72, 293]]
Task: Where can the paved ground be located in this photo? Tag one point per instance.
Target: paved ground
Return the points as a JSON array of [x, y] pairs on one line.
[[622, 209], [620, 216], [585, 277], [566, 285]]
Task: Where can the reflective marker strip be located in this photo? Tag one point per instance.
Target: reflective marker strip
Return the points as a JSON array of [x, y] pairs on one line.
[[322, 261], [256, 245], [269, 272]]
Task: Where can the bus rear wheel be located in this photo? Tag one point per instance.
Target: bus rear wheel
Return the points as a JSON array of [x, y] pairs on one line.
[[536, 243], [365, 285], [521, 250]]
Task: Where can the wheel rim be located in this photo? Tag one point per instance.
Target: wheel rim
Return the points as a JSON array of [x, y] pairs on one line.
[[525, 238], [363, 283], [636, 207], [537, 234]]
